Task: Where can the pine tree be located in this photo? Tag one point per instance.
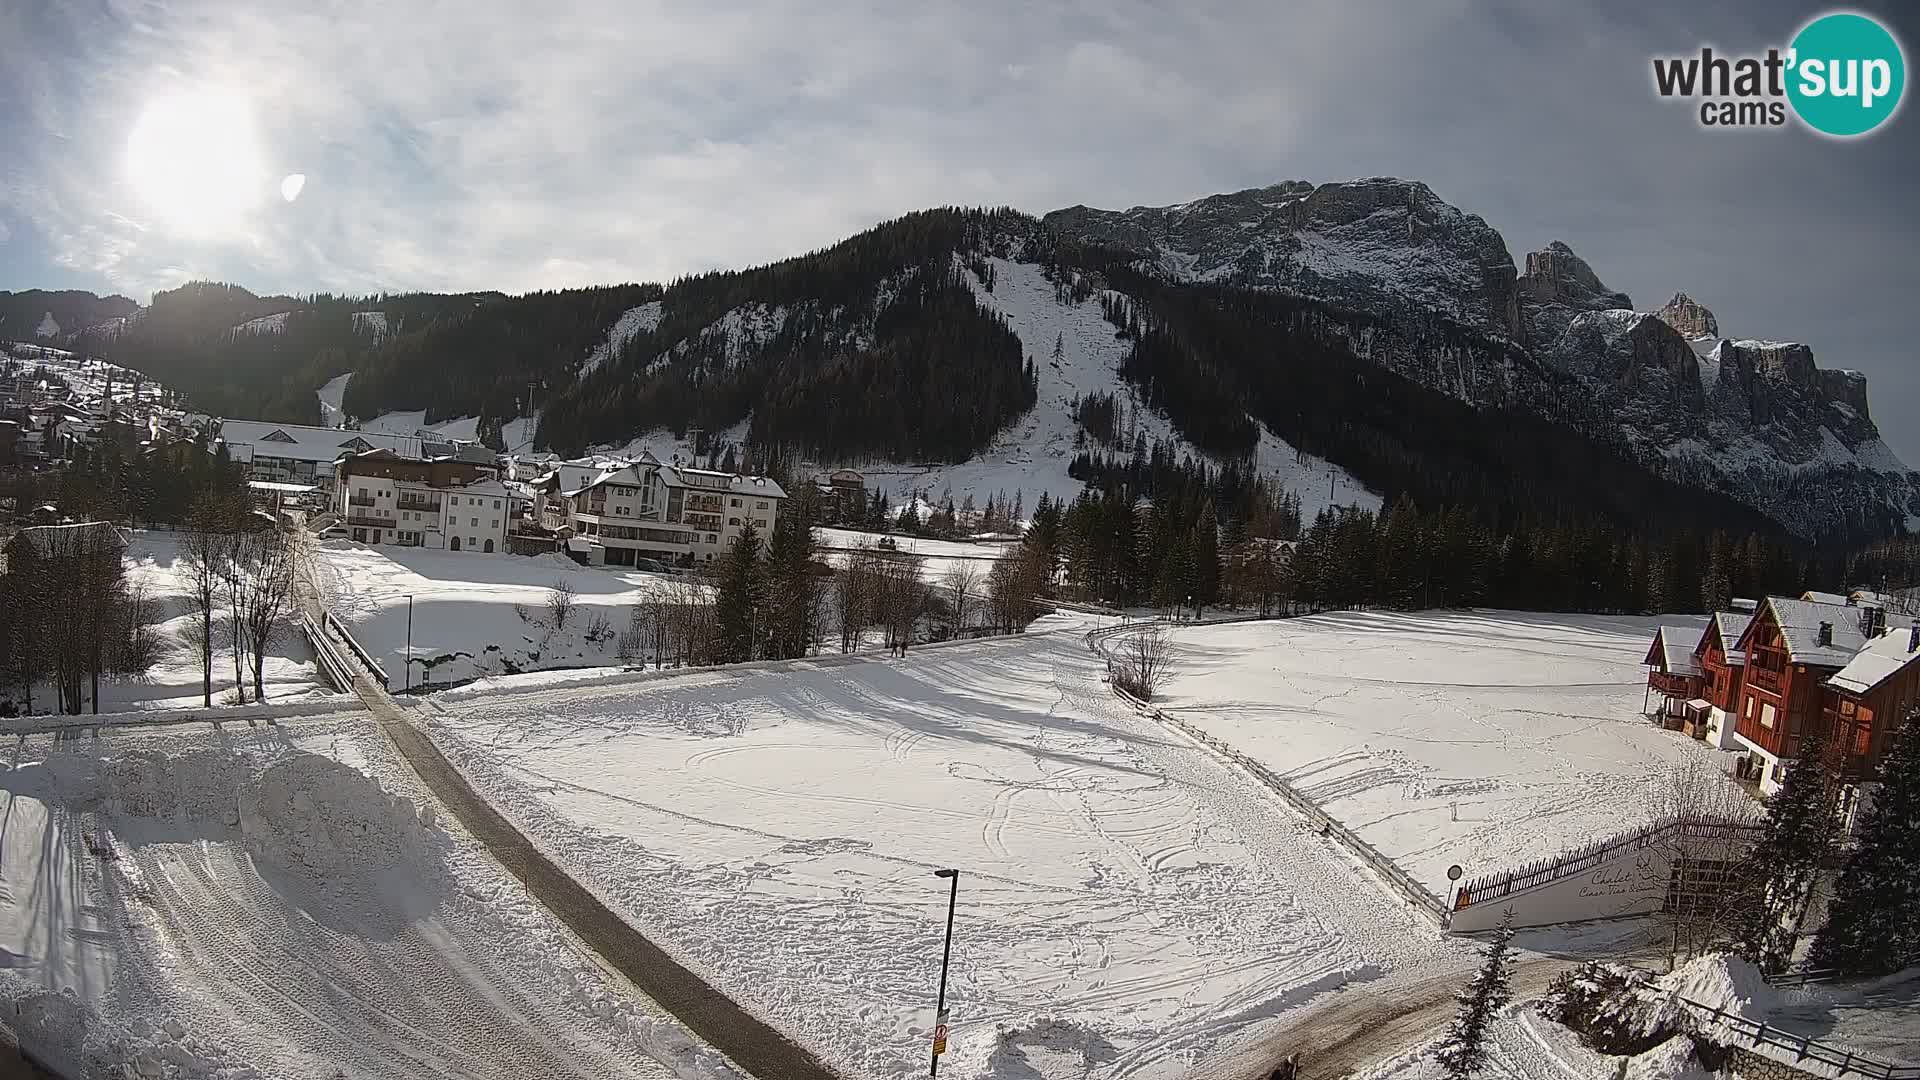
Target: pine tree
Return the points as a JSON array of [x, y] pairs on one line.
[[1716, 589], [1463, 1052], [1873, 923], [1785, 863], [739, 599]]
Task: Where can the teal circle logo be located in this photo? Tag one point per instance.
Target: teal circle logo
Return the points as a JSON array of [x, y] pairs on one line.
[[1847, 74]]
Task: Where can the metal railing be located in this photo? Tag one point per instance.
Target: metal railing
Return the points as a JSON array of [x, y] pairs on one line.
[[1804, 1048], [1582, 859], [332, 665], [354, 646], [1390, 873]]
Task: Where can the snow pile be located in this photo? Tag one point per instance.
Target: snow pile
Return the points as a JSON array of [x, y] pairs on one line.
[[196, 786], [1725, 982], [314, 815]]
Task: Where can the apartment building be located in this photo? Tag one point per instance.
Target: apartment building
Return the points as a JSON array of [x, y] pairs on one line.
[[615, 514], [382, 497]]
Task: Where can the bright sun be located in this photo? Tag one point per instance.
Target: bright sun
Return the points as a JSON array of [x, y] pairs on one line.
[[195, 160]]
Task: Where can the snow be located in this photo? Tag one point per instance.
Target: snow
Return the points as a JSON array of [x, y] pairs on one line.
[[1032, 455], [1483, 738], [48, 327], [89, 377], [282, 901], [373, 322], [175, 680], [265, 324], [1126, 904], [332, 414], [938, 556], [632, 322], [464, 622], [1523, 1045]]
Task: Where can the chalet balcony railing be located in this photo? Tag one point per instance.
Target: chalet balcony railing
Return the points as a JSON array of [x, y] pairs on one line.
[[1674, 684], [709, 522], [704, 504], [1765, 678]]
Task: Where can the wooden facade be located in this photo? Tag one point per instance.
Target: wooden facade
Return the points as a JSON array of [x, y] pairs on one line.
[[1722, 675], [1865, 712], [1780, 698]]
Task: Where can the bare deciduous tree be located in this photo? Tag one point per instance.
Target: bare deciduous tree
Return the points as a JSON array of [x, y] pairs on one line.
[[264, 561], [198, 570], [963, 580], [1139, 664], [562, 598], [1709, 875]]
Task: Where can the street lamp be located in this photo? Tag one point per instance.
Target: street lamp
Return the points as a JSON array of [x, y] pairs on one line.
[[940, 1010], [407, 679]]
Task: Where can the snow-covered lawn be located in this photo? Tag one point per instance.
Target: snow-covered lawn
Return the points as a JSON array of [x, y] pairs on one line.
[[1125, 901], [281, 901], [467, 619], [1483, 738]]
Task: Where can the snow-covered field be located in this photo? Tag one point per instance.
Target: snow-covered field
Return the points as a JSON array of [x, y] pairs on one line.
[[467, 609], [254, 901], [1484, 738], [938, 557], [1127, 905], [89, 378]]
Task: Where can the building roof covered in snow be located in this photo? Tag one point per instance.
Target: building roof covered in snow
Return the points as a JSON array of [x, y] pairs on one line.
[[1884, 657], [1731, 626], [1814, 596], [1672, 650], [62, 541], [680, 476], [1800, 622], [299, 442]]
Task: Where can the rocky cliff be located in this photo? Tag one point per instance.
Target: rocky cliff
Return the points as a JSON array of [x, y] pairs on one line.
[[1758, 420]]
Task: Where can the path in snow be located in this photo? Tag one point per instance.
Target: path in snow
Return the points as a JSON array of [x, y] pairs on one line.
[[777, 831], [265, 900]]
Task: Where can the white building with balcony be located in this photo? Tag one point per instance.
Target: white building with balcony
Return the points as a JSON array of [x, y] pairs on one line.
[[443, 503], [617, 514]]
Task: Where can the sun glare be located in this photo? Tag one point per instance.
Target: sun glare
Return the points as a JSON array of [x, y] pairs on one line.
[[195, 160]]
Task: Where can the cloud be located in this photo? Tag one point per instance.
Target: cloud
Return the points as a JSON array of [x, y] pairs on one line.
[[499, 144]]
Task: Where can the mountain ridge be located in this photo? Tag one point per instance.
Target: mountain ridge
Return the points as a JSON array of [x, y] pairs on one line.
[[887, 346]]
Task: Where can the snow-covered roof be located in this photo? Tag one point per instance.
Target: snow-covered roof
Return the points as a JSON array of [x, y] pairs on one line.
[[1816, 597], [1883, 657], [1799, 622], [760, 487], [1731, 626], [484, 487], [299, 442], [1673, 650], [55, 541]]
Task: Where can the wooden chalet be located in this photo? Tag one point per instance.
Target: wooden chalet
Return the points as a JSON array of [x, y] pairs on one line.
[[1723, 668], [1868, 700], [1674, 674], [1792, 648]]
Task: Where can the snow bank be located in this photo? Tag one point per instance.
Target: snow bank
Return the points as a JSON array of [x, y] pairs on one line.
[[1725, 982], [316, 816]]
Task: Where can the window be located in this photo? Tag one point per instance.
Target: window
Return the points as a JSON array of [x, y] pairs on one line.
[[496, 504], [473, 522], [1766, 716], [733, 502], [761, 505], [733, 520], [712, 539], [471, 541], [495, 523]]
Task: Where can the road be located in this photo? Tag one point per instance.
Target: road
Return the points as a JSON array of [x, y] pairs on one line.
[[752, 1044]]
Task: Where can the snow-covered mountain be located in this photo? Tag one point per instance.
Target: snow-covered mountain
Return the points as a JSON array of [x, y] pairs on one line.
[[1756, 420]]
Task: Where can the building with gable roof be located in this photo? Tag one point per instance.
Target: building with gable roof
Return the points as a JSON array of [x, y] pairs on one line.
[[619, 513], [443, 503]]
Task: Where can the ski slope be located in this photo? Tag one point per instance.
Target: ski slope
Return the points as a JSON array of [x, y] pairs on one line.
[[1127, 905], [1484, 738], [281, 901]]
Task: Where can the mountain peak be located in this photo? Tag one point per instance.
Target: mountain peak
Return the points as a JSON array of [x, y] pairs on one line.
[[1689, 316], [1555, 275]]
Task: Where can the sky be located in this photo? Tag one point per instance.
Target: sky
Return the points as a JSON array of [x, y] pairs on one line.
[[497, 144]]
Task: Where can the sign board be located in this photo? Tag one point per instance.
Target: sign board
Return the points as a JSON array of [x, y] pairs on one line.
[[1454, 872], [940, 1034]]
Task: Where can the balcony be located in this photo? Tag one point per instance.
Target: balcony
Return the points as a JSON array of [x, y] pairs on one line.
[[1765, 678], [1674, 684], [355, 500], [428, 506], [370, 520], [709, 522]]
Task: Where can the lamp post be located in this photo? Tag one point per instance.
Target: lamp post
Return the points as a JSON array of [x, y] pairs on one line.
[[940, 1010], [407, 679]]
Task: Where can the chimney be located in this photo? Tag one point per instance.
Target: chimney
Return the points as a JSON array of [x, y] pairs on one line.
[[1826, 634], [1913, 636]]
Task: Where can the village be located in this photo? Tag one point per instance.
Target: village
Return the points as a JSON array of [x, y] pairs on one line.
[[551, 624]]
